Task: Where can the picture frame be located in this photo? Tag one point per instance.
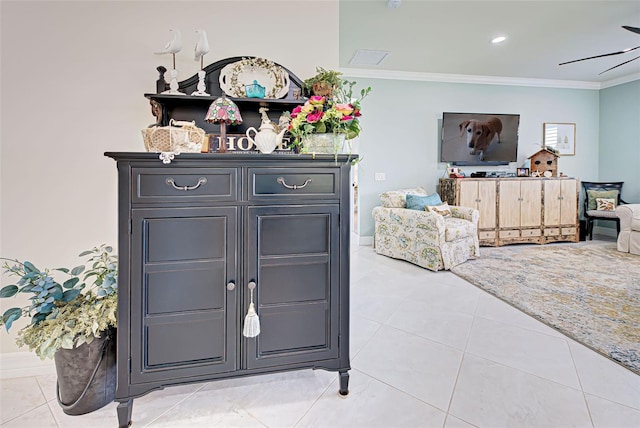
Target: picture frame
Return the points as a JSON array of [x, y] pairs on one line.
[[560, 137], [522, 172]]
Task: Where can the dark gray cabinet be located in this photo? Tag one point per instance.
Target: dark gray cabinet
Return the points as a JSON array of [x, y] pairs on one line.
[[193, 234]]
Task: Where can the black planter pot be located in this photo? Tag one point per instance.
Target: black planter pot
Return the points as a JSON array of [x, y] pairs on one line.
[[87, 375]]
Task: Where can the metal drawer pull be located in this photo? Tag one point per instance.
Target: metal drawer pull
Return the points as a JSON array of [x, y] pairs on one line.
[[231, 286], [295, 186], [172, 182]]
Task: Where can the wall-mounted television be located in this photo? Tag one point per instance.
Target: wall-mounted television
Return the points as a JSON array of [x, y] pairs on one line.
[[479, 138]]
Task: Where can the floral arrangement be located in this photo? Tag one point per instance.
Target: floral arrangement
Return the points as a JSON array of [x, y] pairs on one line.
[[338, 114], [63, 313]]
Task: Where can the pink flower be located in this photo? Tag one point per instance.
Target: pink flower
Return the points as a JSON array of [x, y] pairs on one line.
[[296, 111], [345, 118], [314, 117], [316, 99], [356, 113], [344, 108]]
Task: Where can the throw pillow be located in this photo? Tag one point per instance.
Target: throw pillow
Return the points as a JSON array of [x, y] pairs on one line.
[[442, 209], [418, 202], [605, 204], [398, 198], [595, 194]]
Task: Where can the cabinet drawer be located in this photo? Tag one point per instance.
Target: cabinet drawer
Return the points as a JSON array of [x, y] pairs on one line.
[[552, 231], [509, 234], [299, 182], [487, 234], [184, 184], [569, 231], [530, 232]]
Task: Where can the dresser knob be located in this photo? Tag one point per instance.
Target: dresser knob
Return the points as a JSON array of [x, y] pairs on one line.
[[231, 286]]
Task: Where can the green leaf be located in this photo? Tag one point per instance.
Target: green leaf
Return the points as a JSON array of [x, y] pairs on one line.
[[71, 282], [29, 267], [27, 288], [65, 270], [77, 270], [69, 295], [9, 291], [37, 318], [10, 316], [108, 248], [85, 253]]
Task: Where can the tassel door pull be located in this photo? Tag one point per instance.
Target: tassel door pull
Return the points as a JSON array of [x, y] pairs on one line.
[[251, 320]]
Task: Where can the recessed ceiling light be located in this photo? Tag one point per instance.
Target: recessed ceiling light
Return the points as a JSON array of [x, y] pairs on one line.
[[368, 57], [498, 39]]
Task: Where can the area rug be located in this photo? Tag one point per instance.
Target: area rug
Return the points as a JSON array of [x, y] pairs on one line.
[[587, 291]]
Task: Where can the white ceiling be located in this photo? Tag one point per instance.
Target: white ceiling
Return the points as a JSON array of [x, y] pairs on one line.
[[452, 37]]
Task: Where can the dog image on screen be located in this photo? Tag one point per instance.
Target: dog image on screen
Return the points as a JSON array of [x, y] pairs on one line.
[[480, 134]]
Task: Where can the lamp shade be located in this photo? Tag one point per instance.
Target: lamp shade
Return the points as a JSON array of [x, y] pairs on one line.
[[223, 110]]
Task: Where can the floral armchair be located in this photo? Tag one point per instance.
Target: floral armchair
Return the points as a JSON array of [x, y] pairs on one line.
[[425, 238]]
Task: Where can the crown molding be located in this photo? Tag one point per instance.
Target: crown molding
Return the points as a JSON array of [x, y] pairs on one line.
[[482, 80]]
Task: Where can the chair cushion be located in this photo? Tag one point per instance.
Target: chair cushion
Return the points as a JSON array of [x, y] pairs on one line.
[[398, 198], [635, 224], [602, 214], [457, 228], [593, 194], [419, 202]]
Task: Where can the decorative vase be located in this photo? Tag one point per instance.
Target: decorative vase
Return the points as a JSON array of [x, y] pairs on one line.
[[324, 143], [87, 375]]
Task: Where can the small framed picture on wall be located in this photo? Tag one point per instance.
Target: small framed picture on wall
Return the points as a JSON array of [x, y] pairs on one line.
[[522, 172], [561, 137]]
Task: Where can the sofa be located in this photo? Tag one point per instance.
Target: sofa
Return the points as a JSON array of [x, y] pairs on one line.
[[629, 236], [425, 238]]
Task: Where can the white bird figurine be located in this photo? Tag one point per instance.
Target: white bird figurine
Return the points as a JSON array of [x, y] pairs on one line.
[[174, 46], [202, 46]]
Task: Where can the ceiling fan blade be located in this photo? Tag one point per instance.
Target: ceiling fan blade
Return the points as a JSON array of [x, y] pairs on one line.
[[600, 56], [623, 63], [633, 29]]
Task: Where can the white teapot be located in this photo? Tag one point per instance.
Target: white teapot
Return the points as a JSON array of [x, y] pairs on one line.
[[270, 135], [266, 140]]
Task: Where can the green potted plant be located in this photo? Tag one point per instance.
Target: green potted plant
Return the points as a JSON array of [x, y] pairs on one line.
[[73, 321], [323, 83]]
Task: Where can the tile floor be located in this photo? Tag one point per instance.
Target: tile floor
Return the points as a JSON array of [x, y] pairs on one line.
[[427, 350]]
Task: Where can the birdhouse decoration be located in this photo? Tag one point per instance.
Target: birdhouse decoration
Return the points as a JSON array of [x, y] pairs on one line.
[[544, 163]]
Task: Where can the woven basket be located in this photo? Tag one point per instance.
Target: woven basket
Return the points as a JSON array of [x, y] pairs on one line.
[[178, 137]]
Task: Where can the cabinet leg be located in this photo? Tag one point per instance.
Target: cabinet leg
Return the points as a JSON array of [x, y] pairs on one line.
[[344, 383], [124, 413]]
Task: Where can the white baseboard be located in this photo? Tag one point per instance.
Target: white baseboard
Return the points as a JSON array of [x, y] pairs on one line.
[[365, 241], [22, 364]]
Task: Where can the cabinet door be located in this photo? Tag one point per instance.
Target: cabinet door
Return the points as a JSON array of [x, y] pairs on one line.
[[480, 195], [530, 203], [292, 253], [552, 202], [509, 203], [487, 204], [569, 202], [183, 316]]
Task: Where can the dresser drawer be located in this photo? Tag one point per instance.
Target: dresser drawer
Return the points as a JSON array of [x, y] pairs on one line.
[[184, 184], [569, 230], [509, 234], [299, 182], [487, 234], [530, 232]]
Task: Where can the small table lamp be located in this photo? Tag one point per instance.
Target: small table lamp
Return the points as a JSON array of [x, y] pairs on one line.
[[225, 112]]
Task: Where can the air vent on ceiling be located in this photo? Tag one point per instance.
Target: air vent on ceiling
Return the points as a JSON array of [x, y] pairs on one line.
[[368, 57]]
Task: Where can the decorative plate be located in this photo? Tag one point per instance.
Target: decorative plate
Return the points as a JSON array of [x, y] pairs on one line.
[[235, 76]]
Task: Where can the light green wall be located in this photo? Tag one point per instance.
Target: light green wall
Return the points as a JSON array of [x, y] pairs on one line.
[[401, 131], [619, 138]]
